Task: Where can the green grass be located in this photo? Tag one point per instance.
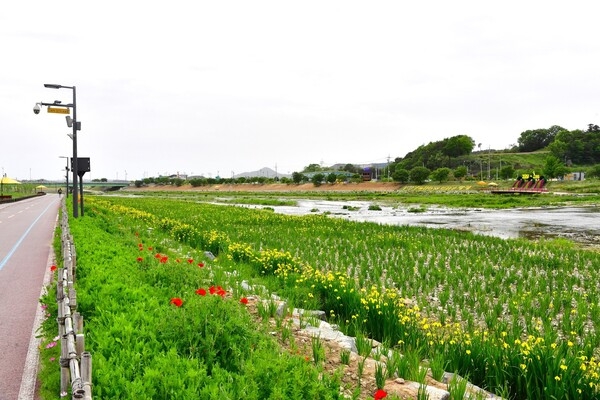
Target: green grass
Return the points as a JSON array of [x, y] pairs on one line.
[[512, 315], [508, 312], [145, 345], [465, 194], [17, 191], [256, 201]]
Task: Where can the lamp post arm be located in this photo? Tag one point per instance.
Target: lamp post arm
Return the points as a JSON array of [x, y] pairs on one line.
[[56, 105], [76, 127]]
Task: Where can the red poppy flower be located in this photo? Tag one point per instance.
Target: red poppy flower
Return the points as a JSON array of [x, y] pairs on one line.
[[140, 259], [380, 394], [53, 268], [164, 259], [176, 301], [190, 261], [201, 292], [218, 290], [201, 265], [244, 300], [157, 255], [150, 248]]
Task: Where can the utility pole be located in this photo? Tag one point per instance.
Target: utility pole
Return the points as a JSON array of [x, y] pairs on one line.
[[489, 161], [388, 166]]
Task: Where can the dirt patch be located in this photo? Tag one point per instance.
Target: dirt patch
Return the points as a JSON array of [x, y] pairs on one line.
[[354, 377], [276, 187]]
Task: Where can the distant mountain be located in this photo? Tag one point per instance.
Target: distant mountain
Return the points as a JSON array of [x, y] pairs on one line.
[[266, 172]]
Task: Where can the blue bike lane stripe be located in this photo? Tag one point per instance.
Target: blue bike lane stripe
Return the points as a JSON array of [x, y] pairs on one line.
[[16, 246]]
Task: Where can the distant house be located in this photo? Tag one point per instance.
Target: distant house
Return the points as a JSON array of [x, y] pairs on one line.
[[575, 176], [178, 176], [345, 175], [367, 174]]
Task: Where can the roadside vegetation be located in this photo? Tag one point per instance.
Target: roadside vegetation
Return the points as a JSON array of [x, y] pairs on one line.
[[514, 316], [16, 191]]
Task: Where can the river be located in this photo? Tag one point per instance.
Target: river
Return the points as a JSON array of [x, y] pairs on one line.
[[578, 224]]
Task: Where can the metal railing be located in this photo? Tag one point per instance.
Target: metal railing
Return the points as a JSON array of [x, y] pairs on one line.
[[75, 362]]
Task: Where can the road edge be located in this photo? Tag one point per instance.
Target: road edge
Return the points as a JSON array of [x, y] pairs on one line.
[[30, 370]]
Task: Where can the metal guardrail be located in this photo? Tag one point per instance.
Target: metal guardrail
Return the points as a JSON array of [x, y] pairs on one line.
[[75, 362]]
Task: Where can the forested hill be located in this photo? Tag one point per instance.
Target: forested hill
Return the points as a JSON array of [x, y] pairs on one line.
[[535, 149]]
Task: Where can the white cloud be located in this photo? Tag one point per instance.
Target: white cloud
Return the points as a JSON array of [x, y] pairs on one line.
[[207, 87]]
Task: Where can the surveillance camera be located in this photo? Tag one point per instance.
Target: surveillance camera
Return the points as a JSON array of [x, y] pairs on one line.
[[36, 108]]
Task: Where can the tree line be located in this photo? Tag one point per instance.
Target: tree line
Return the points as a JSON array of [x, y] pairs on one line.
[[447, 159], [451, 158]]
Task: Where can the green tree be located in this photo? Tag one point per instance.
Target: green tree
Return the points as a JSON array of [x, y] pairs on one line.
[[350, 168], [594, 171], [507, 172], [441, 174], [401, 175], [436, 160], [297, 177], [437, 154], [195, 182], [537, 139], [553, 168], [577, 146], [460, 172], [457, 146], [331, 177], [312, 168], [317, 179], [162, 180], [419, 175], [560, 147]]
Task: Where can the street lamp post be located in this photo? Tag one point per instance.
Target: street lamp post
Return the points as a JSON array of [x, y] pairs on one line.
[[66, 175], [76, 126]]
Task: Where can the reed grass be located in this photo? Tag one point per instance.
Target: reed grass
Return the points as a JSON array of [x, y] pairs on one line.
[[513, 315]]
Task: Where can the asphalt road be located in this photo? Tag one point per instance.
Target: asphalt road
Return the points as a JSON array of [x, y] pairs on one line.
[[26, 254]]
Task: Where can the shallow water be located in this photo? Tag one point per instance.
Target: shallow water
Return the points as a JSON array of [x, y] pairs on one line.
[[579, 224]]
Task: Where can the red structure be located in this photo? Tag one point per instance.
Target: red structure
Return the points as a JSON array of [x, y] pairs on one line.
[[526, 184]]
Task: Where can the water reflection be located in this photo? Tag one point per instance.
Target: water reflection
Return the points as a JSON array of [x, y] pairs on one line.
[[579, 224]]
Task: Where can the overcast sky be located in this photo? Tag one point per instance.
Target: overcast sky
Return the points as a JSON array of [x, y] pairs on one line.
[[224, 87]]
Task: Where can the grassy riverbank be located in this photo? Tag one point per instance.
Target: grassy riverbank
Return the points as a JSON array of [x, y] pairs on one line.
[[465, 194], [512, 315]]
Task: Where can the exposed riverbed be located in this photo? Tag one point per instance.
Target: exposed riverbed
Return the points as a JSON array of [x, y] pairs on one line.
[[579, 224]]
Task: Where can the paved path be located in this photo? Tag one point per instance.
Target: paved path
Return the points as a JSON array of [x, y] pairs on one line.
[[26, 254]]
